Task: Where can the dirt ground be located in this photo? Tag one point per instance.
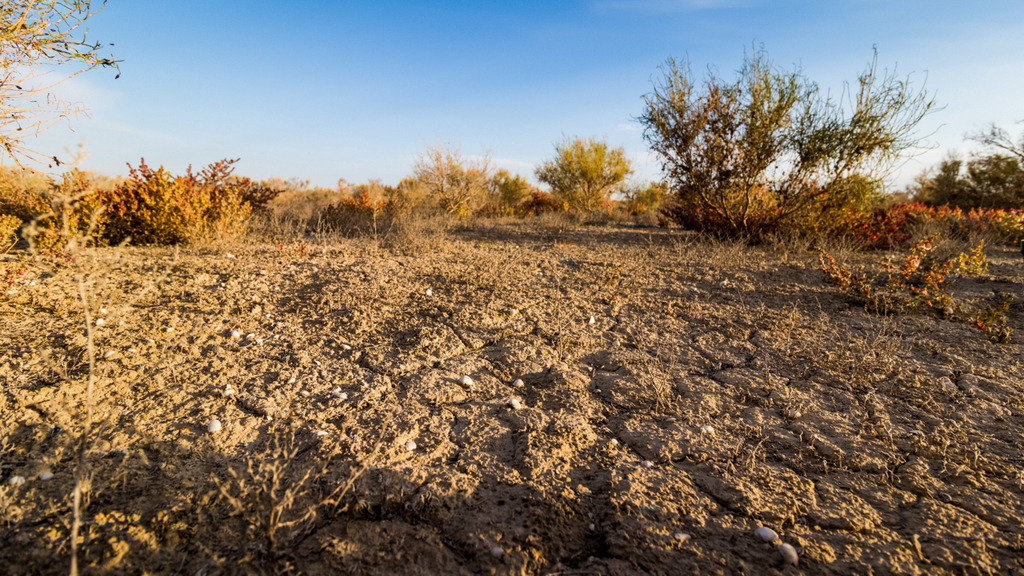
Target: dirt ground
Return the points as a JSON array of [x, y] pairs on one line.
[[641, 402]]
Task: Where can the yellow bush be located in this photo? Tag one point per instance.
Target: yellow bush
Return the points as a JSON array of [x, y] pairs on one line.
[[8, 230]]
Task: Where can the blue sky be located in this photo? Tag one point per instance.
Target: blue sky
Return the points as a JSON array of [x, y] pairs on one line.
[[355, 90]]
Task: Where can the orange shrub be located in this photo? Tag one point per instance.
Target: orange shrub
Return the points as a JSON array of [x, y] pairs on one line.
[[154, 207]]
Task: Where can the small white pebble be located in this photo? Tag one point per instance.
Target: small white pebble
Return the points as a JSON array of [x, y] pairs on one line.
[[766, 534], [429, 292], [916, 432], [236, 334], [682, 536], [410, 445], [100, 321], [515, 404], [647, 464], [103, 310], [592, 527], [250, 336], [321, 433], [16, 480], [466, 382], [592, 321], [44, 476], [670, 419], [514, 311], [291, 380], [150, 341], [723, 283], [339, 394], [617, 344], [109, 353], [214, 426], [169, 329], [788, 553], [346, 347], [613, 442], [229, 255], [229, 391], [497, 552], [705, 429], [304, 392], [518, 383], [132, 350]]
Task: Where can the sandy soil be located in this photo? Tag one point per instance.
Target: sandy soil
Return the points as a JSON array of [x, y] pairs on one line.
[[675, 396]]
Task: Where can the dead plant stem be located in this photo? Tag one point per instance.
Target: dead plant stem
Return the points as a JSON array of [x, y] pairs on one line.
[[80, 467]]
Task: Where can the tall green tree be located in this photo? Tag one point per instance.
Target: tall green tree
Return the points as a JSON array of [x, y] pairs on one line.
[[768, 148], [584, 173], [37, 38]]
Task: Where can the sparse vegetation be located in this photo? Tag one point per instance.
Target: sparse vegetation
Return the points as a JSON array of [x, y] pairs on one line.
[[768, 152], [584, 173], [920, 282], [458, 185], [371, 380]]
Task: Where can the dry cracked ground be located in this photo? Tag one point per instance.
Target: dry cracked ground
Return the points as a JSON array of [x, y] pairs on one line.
[[641, 401]]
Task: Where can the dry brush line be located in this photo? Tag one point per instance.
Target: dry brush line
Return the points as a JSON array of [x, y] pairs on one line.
[[75, 249], [282, 503]]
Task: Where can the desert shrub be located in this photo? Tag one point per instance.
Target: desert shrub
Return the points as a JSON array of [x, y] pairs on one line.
[[1009, 225], [76, 212], [154, 207], [367, 210], [584, 173], [24, 194], [919, 281], [898, 224], [769, 152], [507, 194], [645, 199], [543, 203], [9, 226], [296, 207], [51, 211], [456, 184]]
